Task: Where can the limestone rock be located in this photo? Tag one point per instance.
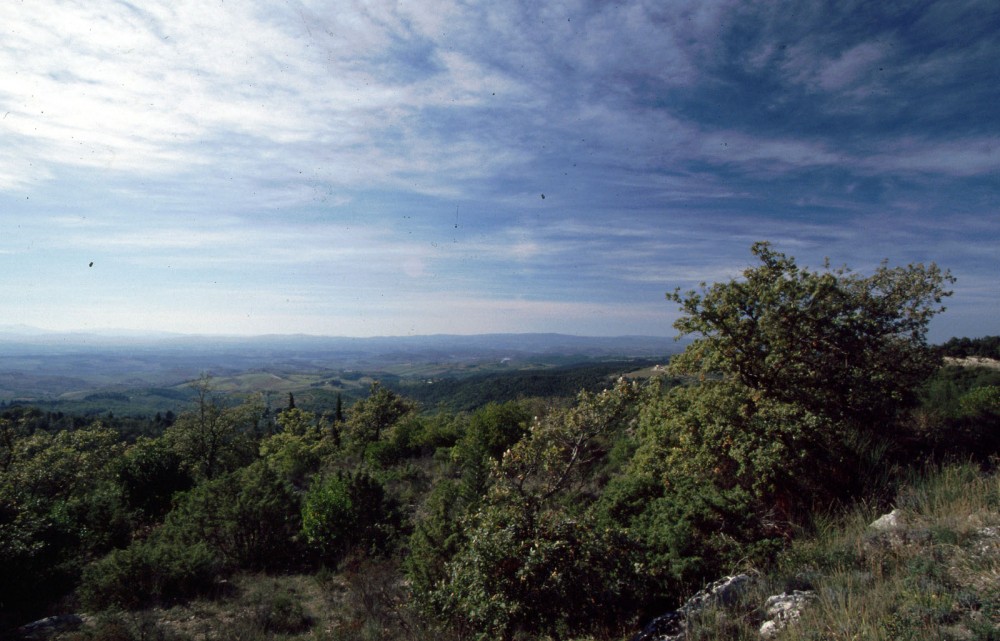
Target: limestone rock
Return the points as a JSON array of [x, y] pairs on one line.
[[888, 522], [50, 626], [672, 626], [782, 609]]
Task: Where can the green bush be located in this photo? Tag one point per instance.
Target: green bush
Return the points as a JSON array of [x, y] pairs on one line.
[[437, 537], [541, 574], [147, 573], [149, 474], [349, 511], [249, 518]]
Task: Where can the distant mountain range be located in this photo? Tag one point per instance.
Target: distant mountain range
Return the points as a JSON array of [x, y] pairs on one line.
[[21, 339], [40, 364]]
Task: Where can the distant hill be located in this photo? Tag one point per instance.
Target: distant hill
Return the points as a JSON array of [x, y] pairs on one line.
[[41, 365]]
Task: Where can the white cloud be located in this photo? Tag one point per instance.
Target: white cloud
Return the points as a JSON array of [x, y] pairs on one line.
[[970, 157], [854, 65]]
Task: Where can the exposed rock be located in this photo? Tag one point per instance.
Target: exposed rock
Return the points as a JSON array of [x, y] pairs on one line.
[[892, 530], [888, 522], [50, 626], [672, 626], [988, 539], [782, 609], [722, 592]]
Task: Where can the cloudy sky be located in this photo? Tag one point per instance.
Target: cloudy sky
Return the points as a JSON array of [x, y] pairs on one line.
[[393, 168]]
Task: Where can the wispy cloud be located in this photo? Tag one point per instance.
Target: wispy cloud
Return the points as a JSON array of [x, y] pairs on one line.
[[368, 162]]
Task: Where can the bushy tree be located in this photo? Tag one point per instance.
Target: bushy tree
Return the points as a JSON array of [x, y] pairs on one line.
[[531, 558], [149, 572], [801, 381], [370, 418], [249, 518], [59, 506], [849, 348], [215, 438], [346, 512], [149, 474], [490, 432]]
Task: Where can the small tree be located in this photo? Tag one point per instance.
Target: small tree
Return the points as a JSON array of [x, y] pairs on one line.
[[346, 512], [531, 558], [213, 437], [369, 418], [805, 375], [847, 347]]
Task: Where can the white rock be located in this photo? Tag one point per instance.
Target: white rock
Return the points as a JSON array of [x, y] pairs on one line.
[[887, 522], [782, 609]]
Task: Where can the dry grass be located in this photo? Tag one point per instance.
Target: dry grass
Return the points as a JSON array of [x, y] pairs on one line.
[[936, 576]]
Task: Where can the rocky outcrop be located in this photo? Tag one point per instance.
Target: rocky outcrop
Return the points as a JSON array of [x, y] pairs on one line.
[[782, 609], [672, 626], [888, 522], [49, 627]]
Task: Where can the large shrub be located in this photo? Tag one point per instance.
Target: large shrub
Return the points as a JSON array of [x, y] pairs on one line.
[[804, 372], [345, 512], [147, 573], [249, 518]]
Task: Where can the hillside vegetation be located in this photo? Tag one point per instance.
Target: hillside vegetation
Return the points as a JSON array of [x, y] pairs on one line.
[[805, 397]]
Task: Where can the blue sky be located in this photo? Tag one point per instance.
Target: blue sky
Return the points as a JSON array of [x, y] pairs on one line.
[[393, 168]]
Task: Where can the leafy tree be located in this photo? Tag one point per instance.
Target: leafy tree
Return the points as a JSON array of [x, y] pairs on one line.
[[563, 447], [59, 506], [249, 518], [344, 512], [214, 438], [297, 421], [984, 347], [149, 572], [369, 418], [531, 557], [849, 348], [149, 474], [491, 431], [296, 456], [804, 378]]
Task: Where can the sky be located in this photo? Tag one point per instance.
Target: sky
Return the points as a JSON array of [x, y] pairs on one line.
[[397, 168]]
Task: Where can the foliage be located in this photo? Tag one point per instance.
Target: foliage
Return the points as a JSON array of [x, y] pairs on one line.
[[344, 512], [149, 474], [249, 518], [982, 403], [813, 366], [296, 457], [542, 572], [214, 438], [370, 417], [843, 346], [58, 507], [437, 536], [533, 560], [563, 447], [490, 432], [984, 347], [147, 573], [297, 422]]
